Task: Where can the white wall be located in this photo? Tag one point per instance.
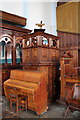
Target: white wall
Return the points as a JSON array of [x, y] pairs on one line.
[[34, 12], [45, 11], [13, 7]]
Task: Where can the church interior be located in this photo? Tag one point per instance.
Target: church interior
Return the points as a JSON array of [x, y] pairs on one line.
[[40, 60]]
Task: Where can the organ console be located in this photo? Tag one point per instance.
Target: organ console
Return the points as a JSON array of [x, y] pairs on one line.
[[31, 84]]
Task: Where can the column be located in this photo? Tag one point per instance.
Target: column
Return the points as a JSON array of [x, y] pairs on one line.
[[30, 40], [50, 42], [12, 55], [5, 54], [62, 95], [23, 43], [57, 43], [20, 56], [39, 40], [14, 51]]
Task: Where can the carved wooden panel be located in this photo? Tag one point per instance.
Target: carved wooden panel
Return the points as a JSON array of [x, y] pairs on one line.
[[34, 53], [57, 54], [53, 53], [71, 44], [26, 53], [45, 53], [49, 74]]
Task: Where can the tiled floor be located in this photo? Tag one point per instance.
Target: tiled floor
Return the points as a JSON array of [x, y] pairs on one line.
[[54, 111]]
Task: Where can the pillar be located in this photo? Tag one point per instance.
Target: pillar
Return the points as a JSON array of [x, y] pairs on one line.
[[62, 78], [39, 40], [30, 40], [50, 39], [14, 52], [23, 43], [20, 56], [5, 54]]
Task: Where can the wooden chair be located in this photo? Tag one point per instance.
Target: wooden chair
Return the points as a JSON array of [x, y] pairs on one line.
[[15, 97], [73, 99]]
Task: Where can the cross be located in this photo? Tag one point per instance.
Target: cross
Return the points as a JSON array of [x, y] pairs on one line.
[[40, 25]]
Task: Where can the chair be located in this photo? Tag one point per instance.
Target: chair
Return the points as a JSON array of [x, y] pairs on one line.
[[15, 97], [73, 99]]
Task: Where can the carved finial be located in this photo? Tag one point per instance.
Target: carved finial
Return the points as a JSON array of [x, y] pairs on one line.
[[40, 25]]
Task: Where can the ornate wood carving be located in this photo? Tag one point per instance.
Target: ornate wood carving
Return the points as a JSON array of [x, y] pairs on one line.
[[68, 74], [41, 58], [45, 53], [11, 32], [34, 53]]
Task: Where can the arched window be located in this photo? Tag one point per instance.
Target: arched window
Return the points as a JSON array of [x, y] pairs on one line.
[[5, 46], [2, 52], [19, 50], [17, 53], [9, 53]]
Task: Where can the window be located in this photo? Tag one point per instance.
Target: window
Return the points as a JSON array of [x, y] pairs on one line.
[[3, 48]]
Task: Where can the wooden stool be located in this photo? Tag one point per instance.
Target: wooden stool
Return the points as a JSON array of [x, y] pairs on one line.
[[20, 100]]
